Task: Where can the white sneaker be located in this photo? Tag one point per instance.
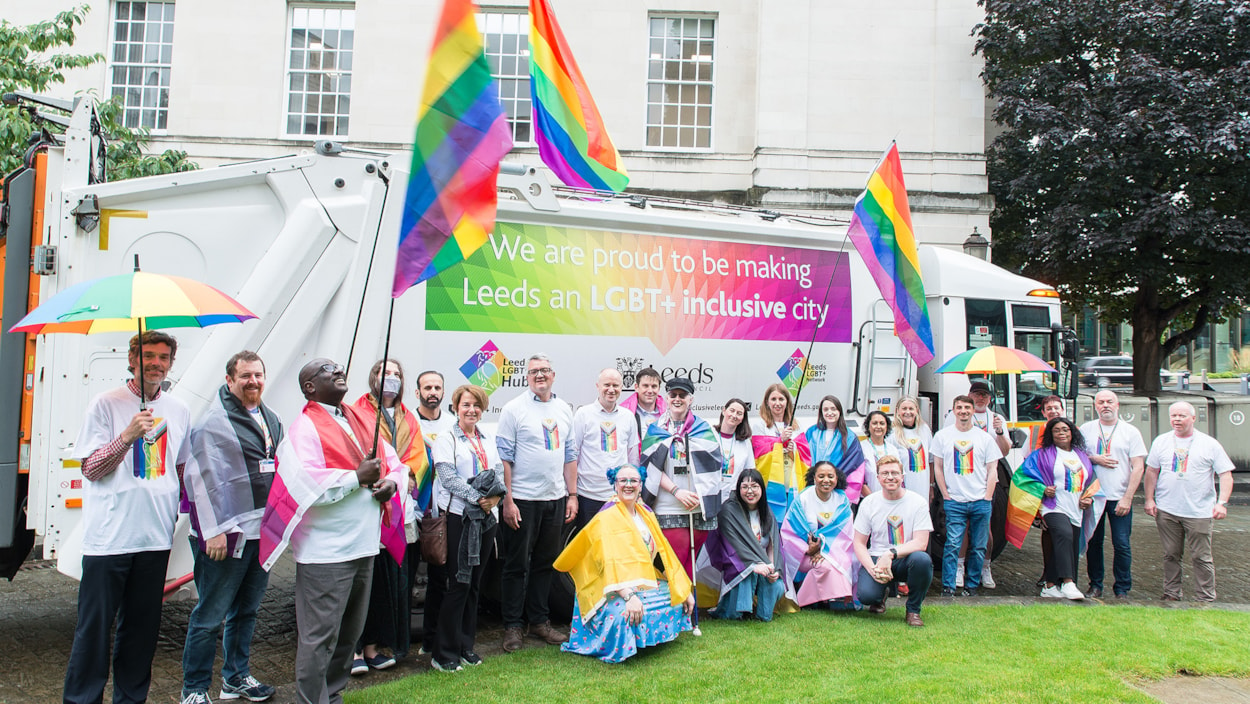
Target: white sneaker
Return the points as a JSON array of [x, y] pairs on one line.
[[987, 579], [1051, 593], [959, 573], [1069, 591]]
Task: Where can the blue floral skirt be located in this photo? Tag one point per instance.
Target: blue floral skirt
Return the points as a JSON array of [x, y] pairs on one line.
[[610, 637]]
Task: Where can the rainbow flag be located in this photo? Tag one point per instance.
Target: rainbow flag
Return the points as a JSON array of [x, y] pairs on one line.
[[461, 137], [571, 136], [881, 230], [1025, 499]]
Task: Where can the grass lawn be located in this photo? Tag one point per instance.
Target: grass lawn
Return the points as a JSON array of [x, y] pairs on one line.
[[1044, 653]]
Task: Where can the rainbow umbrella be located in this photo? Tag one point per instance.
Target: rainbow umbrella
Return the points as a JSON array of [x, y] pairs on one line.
[[995, 360], [135, 301]]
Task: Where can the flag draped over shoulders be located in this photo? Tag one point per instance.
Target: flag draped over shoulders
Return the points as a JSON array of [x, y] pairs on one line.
[[836, 538], [224, 480], [770, 462], [609, 555], [313, 457], [732, 551], [703, 452], [1025, 499], [408, 442], [844, 451]]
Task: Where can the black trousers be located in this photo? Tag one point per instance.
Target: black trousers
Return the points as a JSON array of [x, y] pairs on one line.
[[457, 616], [586, 510], [1065, 538], [527, 556], [131, 589]]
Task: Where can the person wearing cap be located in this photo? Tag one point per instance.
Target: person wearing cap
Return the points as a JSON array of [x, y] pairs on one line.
[[540, 473], [984, 417], [683, 460]]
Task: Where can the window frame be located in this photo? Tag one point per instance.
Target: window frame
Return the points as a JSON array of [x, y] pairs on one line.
[[142, 66], [711, 83], [287, 71], [523, 75]]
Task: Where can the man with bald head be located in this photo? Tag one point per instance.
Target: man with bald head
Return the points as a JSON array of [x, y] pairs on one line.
[[604, 436], [333, 501], [1120, 453], [1181, 472]]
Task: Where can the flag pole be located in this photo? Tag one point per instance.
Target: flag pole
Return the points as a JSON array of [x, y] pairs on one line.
[[386, 356]]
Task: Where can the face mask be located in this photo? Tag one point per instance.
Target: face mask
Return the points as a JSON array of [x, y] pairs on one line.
[[390, 386]]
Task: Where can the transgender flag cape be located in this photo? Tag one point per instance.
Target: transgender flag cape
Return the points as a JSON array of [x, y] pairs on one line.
[[836, 545], [313, 457], [1025, 500], [779, 488]]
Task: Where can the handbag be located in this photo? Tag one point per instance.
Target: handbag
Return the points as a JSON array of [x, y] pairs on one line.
[[434, 539]]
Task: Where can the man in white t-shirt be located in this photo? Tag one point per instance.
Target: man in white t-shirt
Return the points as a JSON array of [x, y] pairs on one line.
[[133, 445], [1181, 471], [1119, 451], [540, 472], [604, 436], [892, 541], [434, 421], [965, 465], [234, 446]]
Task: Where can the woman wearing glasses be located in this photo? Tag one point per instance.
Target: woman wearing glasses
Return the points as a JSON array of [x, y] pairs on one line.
[[632, 591]]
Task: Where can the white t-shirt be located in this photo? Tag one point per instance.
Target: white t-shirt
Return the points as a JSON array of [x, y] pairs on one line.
[[454, 448], [431, 429], [913, 445], [1187, 469], [133, 510], [535, 437], [758, 427], [1071, 478], [871, 454], [602, 440], [891, 523], [966, 458], [817, 512], [1125, 442], [736, 455]]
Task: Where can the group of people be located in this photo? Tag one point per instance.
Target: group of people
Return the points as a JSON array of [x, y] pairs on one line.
[[749, 516]]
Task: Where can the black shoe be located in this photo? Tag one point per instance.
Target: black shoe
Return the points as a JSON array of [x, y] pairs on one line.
[[470, 658], [968, 591], [1094, 593], [948, 592]]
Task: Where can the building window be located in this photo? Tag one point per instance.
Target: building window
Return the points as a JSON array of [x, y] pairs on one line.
[[143, 45], [507, 37], [679, 82], [319, 71]]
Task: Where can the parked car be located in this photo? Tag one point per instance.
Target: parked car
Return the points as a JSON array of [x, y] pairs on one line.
[[1118, 369]]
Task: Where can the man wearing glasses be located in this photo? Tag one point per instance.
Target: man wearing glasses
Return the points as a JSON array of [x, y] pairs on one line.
[[540, 473], [891, 541], [334, 502]]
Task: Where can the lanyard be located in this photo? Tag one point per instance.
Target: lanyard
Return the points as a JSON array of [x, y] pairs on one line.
[[478, 450]]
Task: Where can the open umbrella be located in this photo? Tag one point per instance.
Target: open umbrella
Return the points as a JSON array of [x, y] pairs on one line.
[[995, 360], [135, 301]]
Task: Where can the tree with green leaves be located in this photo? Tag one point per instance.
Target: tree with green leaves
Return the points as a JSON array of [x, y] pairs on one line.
[[1122, 173], [34, 58]]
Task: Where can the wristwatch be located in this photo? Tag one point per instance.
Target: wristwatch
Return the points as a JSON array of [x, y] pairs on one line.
[[894, 553]]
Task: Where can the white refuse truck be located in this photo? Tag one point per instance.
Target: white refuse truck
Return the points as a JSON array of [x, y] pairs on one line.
[[732, 298]]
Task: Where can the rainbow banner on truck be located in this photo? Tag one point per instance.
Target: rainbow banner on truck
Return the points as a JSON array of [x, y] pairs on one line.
[[552, 280]]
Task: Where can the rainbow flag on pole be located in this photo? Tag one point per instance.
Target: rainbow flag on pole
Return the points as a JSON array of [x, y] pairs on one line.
[[570, 134], [881, 230], [461, 137]]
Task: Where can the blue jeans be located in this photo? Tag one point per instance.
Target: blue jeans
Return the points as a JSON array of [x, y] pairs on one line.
[[974, 517], [230, 591], [755, 593], [914, 570], [1122, 563]]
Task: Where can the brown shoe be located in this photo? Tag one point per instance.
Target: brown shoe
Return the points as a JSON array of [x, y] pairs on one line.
[[914, 620], [511, 640], [876, 609], [545, 632]]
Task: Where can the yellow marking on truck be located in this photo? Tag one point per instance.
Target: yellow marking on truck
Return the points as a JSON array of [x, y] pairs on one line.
[[71, 463], [108, 213]]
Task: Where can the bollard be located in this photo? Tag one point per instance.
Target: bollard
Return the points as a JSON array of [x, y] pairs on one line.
[[1245, 384], [1182, 381]]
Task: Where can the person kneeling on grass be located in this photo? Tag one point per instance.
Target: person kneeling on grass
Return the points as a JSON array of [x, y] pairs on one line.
[[891, 539], [626, 598], [816, 540], [742, 558]]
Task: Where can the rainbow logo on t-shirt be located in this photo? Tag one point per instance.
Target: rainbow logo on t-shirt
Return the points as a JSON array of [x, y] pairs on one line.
[[915, 457], [1180, 461], [895, 524], [963, 464], [1104, 446], [551, 434], [1074, 477], [149, 451], [607, 436], [727, 465]]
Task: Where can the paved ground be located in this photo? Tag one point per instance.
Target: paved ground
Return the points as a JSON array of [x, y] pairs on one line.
[[37, 616]]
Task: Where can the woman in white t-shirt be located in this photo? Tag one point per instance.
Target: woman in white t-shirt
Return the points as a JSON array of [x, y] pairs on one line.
[[1062, 466], [876, 446], [912, 436], [734, 435]]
